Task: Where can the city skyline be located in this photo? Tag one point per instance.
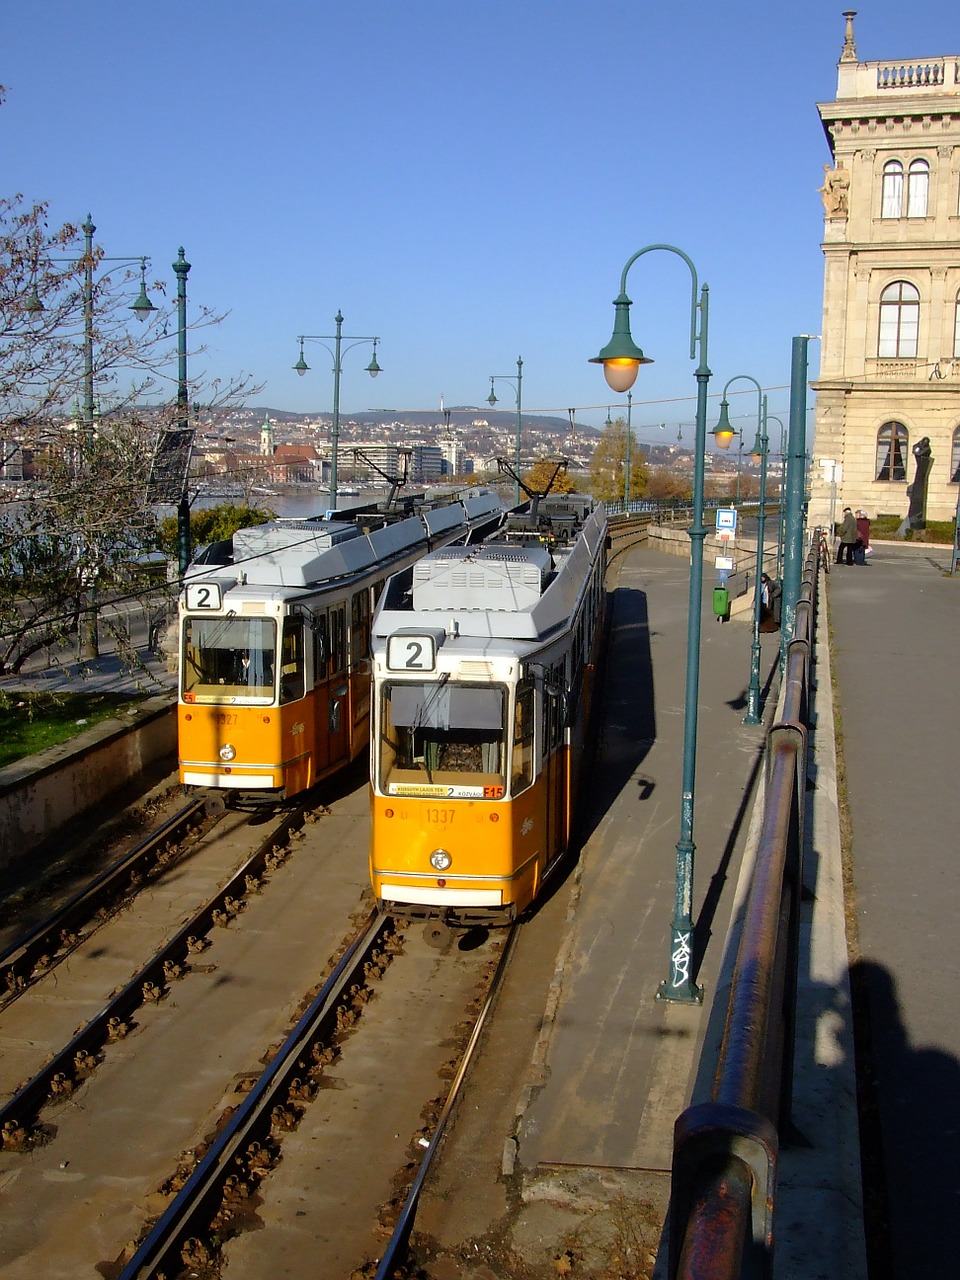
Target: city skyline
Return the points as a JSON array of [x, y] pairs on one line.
[[464, 182]]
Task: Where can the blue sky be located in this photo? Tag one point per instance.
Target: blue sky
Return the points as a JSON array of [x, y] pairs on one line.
[[463, 180]]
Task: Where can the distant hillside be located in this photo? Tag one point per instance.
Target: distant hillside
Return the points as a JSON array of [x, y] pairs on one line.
[[462, 416]]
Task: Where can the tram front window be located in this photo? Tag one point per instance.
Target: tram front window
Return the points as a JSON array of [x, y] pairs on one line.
[[231, 658], [443, 733]]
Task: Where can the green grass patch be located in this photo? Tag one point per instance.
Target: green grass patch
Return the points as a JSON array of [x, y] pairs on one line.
[[31, 722], [886, 526]]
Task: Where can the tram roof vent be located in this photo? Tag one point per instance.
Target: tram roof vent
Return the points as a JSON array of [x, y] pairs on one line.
[[297, 553], [303, 534], [497, 578]]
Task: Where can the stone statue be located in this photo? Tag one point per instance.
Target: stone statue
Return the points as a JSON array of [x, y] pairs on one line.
[[835, 189], [917, 492]]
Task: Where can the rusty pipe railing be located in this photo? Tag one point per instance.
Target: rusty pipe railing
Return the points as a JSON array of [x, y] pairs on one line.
[[725, 1151]]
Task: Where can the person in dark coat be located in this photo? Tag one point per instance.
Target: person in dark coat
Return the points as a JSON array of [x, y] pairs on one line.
[[863, 538], [848, 537]]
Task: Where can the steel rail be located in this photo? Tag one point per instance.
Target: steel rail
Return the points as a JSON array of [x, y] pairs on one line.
[[56, 936], [57, 1076], [399, 1242], [198, 1201]]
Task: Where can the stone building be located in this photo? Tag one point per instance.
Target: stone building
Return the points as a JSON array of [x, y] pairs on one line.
[[890, 359]]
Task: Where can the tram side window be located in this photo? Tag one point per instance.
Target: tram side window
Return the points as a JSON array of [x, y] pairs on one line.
[[292, 684], [523, 722], [338, 642], [321, 648], [359, 627], [554, 708]]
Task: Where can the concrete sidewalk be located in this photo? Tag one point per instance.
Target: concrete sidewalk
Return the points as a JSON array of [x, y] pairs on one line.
[[895, 624], [612, 1067], [107, 674]]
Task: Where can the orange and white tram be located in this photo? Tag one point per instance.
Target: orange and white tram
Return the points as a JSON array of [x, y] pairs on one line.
[[274, 689], [484, 662]]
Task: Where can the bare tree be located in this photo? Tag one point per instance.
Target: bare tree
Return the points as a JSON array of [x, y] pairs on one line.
[[77, 520]]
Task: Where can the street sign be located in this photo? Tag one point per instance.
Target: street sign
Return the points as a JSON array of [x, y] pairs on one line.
[[727, 518]]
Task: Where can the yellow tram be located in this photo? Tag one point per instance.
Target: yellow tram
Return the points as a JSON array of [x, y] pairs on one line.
[[484, 662], [274, 688]]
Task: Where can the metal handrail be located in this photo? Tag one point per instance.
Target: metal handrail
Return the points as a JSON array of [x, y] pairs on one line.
[[725, 1151]]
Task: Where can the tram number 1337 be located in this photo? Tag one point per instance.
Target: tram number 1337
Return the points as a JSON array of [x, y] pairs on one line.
[[440, 817], [411, 653]]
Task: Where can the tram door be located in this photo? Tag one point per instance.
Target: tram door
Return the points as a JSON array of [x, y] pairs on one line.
[[321, 683], [554, 768], [337, 710]]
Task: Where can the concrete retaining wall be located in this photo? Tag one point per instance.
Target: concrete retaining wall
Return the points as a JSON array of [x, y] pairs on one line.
[[41, 794], [675, 540]]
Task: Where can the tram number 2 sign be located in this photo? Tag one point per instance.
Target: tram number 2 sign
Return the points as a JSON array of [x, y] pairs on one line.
[[406, 652], [203, 595]]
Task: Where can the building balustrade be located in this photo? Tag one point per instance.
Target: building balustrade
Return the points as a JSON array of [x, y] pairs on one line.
[[915, 75]]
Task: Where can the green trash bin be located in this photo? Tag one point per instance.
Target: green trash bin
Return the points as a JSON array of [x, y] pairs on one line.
[[721, 603]]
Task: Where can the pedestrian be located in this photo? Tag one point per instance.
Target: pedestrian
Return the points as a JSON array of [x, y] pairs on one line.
[[862, 549], [767, 620], [848, 537]]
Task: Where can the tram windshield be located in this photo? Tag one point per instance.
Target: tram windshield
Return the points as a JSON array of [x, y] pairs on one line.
[[449, 735], [232, 658]]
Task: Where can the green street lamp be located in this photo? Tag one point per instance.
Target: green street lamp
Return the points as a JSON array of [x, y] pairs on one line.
[[626, 461], [141, 308], [781, 504], [621, 359], [492, 400], [182, 269], [338, 351], [760, 453], [794, 483]]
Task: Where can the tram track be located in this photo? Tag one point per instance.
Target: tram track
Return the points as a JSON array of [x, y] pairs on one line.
[[35, 952], [78, 1059], [101, 1159], [224, 1213]]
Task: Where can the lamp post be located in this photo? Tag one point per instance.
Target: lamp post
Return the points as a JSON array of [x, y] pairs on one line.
[[794, 485], [621, 358], [759, 454], [780, 513], [182, 269], [626, 463], [723, 433], [141, 308], [338, 351], [492, 400]]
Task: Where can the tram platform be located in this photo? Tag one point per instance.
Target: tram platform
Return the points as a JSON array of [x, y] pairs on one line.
[[590, 1068]]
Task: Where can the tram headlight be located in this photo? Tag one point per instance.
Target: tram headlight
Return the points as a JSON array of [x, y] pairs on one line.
[[227, 752], [440, 860]]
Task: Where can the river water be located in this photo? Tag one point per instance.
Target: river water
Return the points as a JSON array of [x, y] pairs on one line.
[[292, 504]]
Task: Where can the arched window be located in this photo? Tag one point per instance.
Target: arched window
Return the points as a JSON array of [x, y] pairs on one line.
[[899, 321], [955, 457], [892, 201], [918, 188], [892, 451]]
